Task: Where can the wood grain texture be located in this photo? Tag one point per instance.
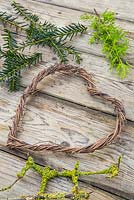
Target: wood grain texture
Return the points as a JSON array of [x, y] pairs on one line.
[[73, 89], [62, 17], [48, 119], [121, 7], [30, 183]]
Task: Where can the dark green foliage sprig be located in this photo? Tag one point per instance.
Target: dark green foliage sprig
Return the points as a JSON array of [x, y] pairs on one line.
[[36, 34], [11, 21], [47, 34], [113, 39], [14, 61], [24, 12]]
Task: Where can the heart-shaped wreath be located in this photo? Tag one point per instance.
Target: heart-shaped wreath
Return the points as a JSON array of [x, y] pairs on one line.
[[14, 142]]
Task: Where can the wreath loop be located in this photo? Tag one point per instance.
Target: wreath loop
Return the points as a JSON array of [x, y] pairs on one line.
[[14, 142]]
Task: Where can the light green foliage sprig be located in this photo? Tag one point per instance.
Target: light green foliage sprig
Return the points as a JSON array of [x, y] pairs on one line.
[[36, 34], [47, 174], [113, 39]]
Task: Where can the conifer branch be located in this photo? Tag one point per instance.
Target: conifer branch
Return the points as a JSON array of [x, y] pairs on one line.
[[69, 31], [48, 34], [14, 61], [11, 21], [13, 64], [113, 39], [24, 13], [10, 41], [36, 34]]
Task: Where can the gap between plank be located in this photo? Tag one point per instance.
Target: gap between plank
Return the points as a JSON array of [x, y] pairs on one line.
[[24, 156], [76, 9], [76, 103]]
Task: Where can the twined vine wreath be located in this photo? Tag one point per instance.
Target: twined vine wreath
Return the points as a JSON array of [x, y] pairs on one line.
[[15, 143]]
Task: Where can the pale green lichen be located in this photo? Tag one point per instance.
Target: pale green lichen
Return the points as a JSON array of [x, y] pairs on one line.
[[47, 174]]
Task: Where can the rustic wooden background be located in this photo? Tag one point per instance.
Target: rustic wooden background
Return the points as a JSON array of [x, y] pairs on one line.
[[63, 112]]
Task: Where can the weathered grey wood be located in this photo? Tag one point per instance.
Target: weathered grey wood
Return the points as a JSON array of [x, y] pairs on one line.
[[58, 121], [50, 119], [62, 17], [30, 184], [73, 89], [121, 7]]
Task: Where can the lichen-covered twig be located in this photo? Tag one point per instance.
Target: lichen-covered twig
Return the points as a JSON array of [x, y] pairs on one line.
[[47, 174], [10, 186]]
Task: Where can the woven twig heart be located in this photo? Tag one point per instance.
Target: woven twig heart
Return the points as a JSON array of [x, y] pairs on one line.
[[14, 142]]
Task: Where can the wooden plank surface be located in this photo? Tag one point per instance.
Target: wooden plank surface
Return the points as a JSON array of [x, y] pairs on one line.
[[62, 17], [97, 65], [74, 123], [121, 7], [30, 183], [69, 124]]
